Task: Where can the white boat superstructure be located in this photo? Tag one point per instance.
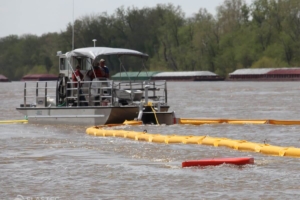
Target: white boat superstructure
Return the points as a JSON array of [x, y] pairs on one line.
[[97, 102]]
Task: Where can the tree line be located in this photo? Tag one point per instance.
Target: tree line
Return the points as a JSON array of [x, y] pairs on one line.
[[264, 34]]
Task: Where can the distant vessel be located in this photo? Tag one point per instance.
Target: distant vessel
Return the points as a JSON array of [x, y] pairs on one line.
[[97, 102], [187, 76], [170, 76], [40, 77], [265, 74], [3, 78]]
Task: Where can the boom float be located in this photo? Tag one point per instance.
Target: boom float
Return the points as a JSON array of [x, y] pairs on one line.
[[218, 161], [22, 121], [236, 121], [241, 145]]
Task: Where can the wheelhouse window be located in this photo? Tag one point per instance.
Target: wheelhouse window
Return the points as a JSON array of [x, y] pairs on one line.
[[84, 63], [62, 64]]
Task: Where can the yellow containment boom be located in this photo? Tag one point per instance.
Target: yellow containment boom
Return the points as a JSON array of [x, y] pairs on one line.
[[241, 145], [237, 121], [23, 121]]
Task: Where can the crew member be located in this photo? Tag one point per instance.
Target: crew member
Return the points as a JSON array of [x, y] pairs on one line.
[[104, 68], [95, 72], [77, 76]]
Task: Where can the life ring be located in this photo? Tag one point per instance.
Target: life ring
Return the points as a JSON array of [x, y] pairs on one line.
[[62, 89]]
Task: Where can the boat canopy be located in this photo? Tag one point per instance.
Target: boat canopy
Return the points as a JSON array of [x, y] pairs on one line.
[[94, 52]]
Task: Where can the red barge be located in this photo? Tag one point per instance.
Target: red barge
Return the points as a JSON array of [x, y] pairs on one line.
[[265, 74]]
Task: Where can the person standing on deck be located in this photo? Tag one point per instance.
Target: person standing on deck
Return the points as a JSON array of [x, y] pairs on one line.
[[77, 76], [99, 71], [104, 69], [96, 72]]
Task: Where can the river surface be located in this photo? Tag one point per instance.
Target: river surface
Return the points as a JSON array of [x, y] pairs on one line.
[[63, 162]]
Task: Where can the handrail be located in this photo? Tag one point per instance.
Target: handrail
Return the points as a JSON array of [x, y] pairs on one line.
[[24, 95], [155, 88], [85, 91], [27, 93], [93, 93]]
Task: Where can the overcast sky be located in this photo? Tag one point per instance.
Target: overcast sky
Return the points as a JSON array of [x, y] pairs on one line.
[[43, 16]]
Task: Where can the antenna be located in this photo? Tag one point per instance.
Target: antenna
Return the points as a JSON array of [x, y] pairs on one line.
[[73, 28]]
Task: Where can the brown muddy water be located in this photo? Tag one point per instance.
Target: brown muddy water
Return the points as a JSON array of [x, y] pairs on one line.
[[63, 162]]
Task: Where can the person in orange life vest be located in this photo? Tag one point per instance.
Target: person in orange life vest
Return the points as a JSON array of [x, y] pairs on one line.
[[77, 76], [104, 69]]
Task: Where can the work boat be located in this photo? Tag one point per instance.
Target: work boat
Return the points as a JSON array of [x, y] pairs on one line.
[[95, 102]]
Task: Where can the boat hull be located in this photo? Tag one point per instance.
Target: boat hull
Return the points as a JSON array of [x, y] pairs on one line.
[[79, 115]]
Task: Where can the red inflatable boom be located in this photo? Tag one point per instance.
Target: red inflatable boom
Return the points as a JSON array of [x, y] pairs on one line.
[[218, 161]]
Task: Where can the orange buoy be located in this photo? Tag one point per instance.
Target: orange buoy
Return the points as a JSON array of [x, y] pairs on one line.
[[218, 161]]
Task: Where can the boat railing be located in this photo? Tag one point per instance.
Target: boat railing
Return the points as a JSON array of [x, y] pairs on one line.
[[155, 91], [90, 93], [38, 96], [95, 93]]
